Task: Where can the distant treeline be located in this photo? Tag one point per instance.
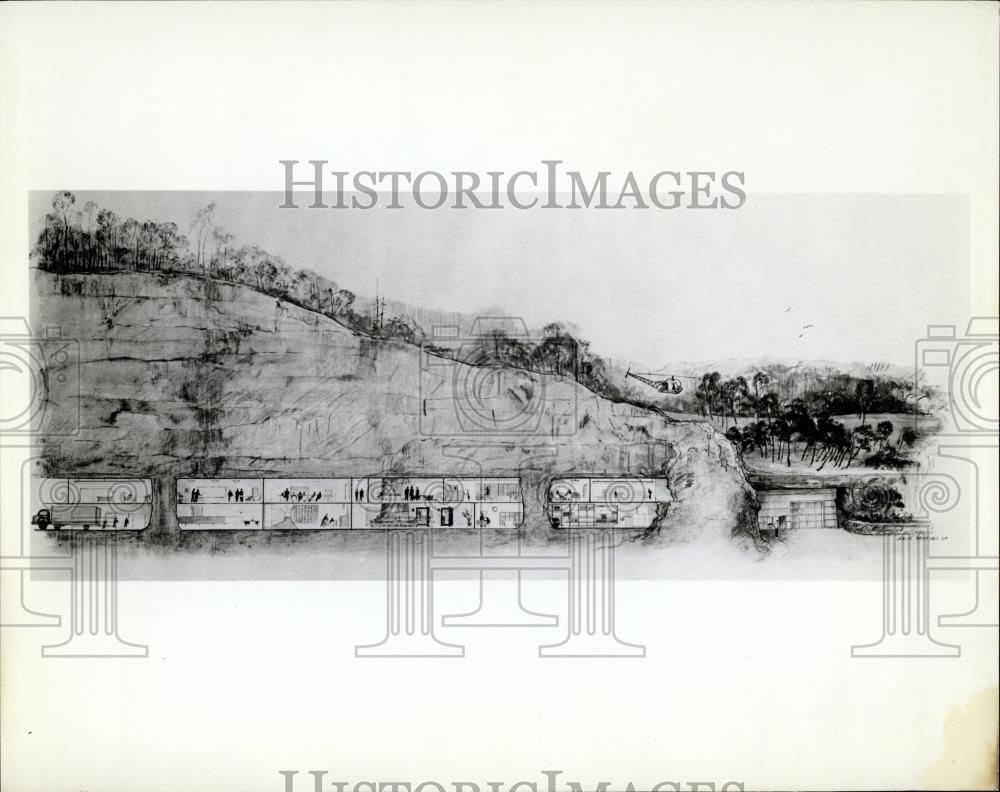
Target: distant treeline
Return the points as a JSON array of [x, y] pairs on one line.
[[790, 406], [807, 423], [823, 392], [92, 239], [89, 238]]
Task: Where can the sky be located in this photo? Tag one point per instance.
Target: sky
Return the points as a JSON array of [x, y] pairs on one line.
[[867, 273]]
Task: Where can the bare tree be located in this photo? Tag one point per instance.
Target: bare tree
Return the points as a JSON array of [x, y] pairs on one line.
[[63, 204], [204, 221]]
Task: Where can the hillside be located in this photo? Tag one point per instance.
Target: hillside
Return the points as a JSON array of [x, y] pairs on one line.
[[184, 376]]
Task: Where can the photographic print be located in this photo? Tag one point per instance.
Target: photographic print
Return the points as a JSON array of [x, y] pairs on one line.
[[499, 397]]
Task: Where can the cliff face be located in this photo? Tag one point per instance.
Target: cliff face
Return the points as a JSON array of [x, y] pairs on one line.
[[180, 376]]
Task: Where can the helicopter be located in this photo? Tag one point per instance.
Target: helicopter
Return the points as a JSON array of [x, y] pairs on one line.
[[670, 385]]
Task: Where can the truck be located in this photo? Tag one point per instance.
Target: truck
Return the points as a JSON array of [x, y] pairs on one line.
[[73, 516]]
